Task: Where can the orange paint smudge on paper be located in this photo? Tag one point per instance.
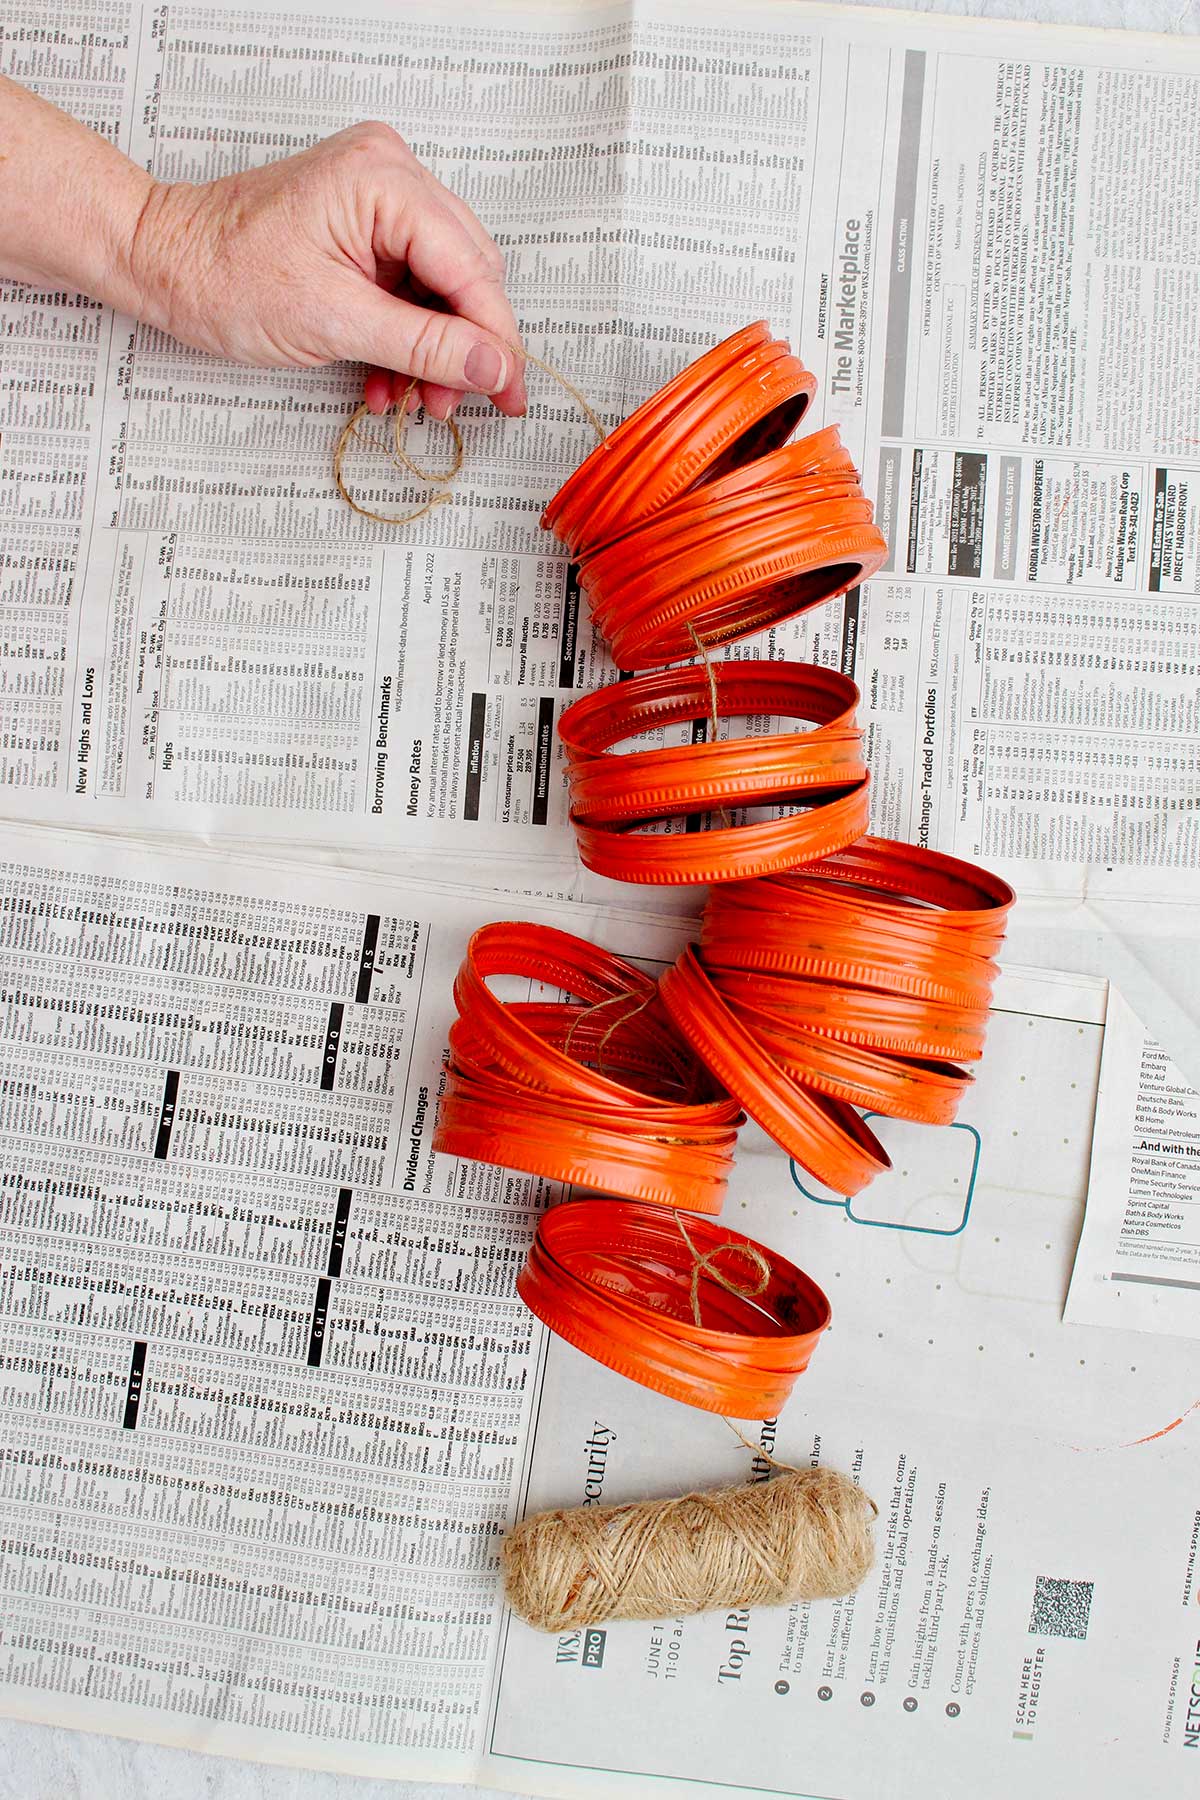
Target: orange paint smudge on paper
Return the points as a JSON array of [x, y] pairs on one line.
[[1150, 1438], [1158, 1434]]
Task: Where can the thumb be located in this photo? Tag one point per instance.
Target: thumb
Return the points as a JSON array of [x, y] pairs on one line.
[[432, 346]]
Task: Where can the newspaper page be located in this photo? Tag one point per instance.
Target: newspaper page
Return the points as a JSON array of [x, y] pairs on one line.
[[1138, 1263], [200, 637], [266, 1378], [269, 1397], [1036, 1486]]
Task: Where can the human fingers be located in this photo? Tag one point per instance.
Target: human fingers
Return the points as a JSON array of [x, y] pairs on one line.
[[439, 402], [380, 329], [441, 254], [488, 247], [378, 390]]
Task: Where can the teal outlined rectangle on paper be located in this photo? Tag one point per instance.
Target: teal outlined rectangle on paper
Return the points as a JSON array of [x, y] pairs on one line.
[[846, 1204]]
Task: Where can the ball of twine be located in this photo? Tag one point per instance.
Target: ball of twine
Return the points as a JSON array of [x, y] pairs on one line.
[[803, 1535]]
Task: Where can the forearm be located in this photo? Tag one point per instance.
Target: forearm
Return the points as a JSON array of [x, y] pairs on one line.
[[71, 205]]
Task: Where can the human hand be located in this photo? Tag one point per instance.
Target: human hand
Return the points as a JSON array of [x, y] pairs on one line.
[[350, 250]]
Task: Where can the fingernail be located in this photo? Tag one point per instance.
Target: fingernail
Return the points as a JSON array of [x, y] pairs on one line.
[[485, 369]]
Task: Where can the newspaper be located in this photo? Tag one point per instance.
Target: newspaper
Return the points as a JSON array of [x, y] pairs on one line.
[[201, 637], [269, 1397], [1138, 1262]]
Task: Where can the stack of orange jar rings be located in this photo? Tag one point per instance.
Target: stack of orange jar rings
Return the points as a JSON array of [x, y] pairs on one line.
[[861, 980], [606, 1095], [817, 779], [835, 971], [531, 1086], [696, 519]]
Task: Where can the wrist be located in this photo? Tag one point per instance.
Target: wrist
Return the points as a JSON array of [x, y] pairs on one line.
[[154, 252], [70, 202], [116, 276]]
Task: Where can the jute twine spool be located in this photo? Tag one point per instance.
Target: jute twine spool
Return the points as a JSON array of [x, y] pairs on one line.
[[803, 1535]]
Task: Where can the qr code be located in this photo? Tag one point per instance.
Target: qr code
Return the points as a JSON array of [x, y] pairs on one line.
[[1061, 1608]]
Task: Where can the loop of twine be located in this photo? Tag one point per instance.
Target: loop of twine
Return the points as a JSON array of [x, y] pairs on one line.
[[399, 456], [705, 1263]]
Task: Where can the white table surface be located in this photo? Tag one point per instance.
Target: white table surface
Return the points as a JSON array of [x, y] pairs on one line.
[[39, 1762]]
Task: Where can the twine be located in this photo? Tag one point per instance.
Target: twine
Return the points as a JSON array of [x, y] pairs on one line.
[[587, 1012], [709, 670], [803, 1535], [399, 456], [695, 1075], [706, 1264], [714, 717]]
